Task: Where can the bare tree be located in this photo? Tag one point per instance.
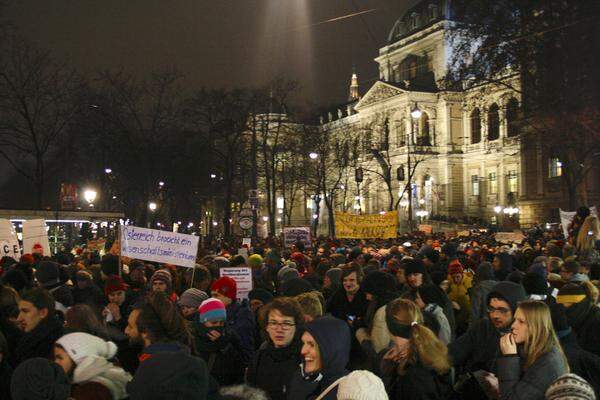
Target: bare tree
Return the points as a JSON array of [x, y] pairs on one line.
[[38, 99]]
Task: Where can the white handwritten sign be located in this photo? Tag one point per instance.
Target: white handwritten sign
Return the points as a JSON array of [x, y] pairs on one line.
[[159, 246], [35, 237], [9, 245], [242, 277], [301, 234]]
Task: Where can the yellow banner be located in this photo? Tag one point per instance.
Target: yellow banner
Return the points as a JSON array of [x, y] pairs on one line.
[[366, 226]]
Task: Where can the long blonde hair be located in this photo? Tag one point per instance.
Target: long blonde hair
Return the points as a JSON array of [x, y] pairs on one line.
[[541, 337], [585, 240], [424, 345]]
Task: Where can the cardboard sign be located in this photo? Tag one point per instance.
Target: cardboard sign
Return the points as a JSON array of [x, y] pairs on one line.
[[35, 237], [428, 229], [9, 244], [291, 235], [566, 217], [247, 242], [159, 246], [509, 237], [366, 226], [242, 277]]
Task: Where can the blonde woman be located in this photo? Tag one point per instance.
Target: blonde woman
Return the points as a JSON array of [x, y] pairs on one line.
[[588, 234], [531, 354], [416, 366]]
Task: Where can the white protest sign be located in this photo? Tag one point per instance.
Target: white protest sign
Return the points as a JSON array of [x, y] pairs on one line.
[[291, 235], [35, 237], [9, 244], [509, 237], [242, 277], [159, 246], [247, 241]]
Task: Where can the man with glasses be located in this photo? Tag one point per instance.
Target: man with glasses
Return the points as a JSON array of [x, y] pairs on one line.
[[475, 352]]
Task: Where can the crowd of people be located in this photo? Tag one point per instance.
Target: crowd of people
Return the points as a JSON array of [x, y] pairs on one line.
[[417, 317]]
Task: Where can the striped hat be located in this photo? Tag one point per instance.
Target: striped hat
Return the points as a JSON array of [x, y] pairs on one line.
[[570, 386], [212, 310], [571, 293]]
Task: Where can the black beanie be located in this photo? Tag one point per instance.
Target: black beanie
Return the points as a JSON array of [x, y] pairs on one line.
[[534, 283], [414, 267], [449, 249], [260, 294], [39, 379], [48, 273], [109, 265], [296, 286], [378, 283]]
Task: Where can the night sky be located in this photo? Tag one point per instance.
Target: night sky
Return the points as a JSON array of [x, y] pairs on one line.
[[218, 43]]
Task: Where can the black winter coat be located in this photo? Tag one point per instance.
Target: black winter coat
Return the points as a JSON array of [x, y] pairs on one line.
[[39, 342], [417, 383], [272, 369], [477, 348], [581, 362], [224, 357], [584, 318]]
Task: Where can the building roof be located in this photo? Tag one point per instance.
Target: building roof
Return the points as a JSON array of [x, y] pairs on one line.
[[422, 15]]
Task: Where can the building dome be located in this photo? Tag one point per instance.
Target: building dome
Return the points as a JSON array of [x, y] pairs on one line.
[[422, 15]]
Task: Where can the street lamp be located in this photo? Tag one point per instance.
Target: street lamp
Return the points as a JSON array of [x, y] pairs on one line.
[[108, 170], [213, 176], [415, 114], [161, 184], [152, 206], [90, 195], [313, 155], [498, 209]]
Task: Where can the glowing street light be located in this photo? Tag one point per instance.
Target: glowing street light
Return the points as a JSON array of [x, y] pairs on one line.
[[416, 112], [213, 176], [313, 155], [108, 170], [265, 218], [90, 195], [152, 206], [498, 209], [161, 184]]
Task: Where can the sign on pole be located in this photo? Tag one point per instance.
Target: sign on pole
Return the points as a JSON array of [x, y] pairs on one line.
[[292, 234], [159, 246], [9, 244], [242, 277], [35, 237]]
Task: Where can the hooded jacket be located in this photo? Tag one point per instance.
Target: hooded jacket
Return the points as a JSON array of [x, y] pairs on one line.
[[333, 338], [584, 318], [479, 347], [38, 342], [241, 321]]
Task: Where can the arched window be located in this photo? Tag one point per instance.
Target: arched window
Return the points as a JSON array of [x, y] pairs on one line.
[[475, 126], [512, 116], [493, 123], [424, 137], [412, 69]]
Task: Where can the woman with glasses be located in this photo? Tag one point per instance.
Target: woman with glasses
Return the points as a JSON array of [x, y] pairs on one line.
[[278, 357], [531, 354]]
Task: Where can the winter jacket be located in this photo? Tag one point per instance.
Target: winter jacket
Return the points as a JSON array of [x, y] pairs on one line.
[[224, 357], [584, 318], [444, 334], [341, 308], [479, 301], [581, 362], [39, 342], [241, 320], [103, 372], [333, 338], [91, 295], [506, 266], [272, 368], [90, 391], [5, 375], [531, 384], [62, 295], [417, 383]]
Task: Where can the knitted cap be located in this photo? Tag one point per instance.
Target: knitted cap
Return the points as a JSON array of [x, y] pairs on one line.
[[361, 385], [414, 267], [455, 267], [212, 310], [162, 275], [255, 261], [80, 345], [48, 273], [571, 293], [192, 298], [113, 284], [570, 386], [226, 286], [27, 258], [260, 294], [110, 264], [534, 283]]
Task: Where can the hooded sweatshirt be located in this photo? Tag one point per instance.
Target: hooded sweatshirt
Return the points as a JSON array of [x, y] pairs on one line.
[[479, 347], [333, 338]]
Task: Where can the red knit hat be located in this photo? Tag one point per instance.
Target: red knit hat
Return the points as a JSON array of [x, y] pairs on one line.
[[114, 283], [455, 267], [27, 258], [226, 286]]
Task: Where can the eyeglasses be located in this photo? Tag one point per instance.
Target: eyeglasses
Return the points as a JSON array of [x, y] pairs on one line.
[[501, 310], [286, 326]]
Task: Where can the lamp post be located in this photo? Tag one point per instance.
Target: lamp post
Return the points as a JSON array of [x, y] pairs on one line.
[[90, 196], [415, 115], [358, 177], [152, 206]]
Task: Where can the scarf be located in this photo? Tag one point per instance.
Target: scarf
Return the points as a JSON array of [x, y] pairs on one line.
[[98, 369]]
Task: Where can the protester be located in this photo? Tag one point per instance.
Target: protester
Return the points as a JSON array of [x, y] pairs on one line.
[[483, 282], [39, 379], [84, 358], [48, 275], [325, 354], [6, 369], [86, 291], [277, 359], [218, 344], [460, 284], [358, 385], [583, 314], [570, 387], [9, 312], [417, 365], [189, 302], [162, 281], [38, 320], [311, 304], [528, 374]]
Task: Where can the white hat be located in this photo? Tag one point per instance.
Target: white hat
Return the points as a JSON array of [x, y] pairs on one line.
[[80, 345], [358, 385]]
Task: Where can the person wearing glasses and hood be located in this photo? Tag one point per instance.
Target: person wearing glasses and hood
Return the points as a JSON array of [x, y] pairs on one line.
[[325, 353], [278, 357]]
